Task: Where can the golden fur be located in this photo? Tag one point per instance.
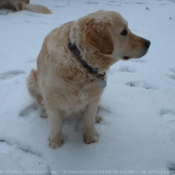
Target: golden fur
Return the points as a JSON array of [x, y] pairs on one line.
[[63, 86], [18, 5]]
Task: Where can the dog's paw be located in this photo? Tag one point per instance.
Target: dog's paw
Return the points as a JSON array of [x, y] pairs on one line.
[[98, 119], [55, 143], [91, 137]]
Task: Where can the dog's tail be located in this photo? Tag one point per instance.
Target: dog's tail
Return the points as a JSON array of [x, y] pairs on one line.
[[37, 8], [32, 85]]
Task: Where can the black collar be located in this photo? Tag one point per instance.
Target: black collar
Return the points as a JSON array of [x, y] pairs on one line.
[[76, 52], [102, 81]]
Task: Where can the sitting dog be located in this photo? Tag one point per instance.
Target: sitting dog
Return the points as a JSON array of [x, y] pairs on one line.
[[18, 5], [72, 66]]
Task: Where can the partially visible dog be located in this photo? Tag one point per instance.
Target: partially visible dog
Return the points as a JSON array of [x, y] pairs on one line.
[[18, 5], [71, 68]]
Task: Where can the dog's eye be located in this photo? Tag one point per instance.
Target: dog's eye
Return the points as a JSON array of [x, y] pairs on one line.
[[124, 32]]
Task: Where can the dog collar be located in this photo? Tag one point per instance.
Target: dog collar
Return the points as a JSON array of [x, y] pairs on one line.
[[74, 49]]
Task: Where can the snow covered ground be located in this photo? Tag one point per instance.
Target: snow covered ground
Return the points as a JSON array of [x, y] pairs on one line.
[[137, 134]]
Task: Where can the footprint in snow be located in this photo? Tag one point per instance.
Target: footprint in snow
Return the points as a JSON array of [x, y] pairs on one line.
[[103, 109], [169, 117], [126, 69], [132, 84], [20, 146], [171, 168], [172, 76], [91, 3], [11, 74], [27, 110], [27, 21], [144, 85], [20, 152]]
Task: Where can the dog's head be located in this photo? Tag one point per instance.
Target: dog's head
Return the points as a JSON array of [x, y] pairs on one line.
[[108, 33]]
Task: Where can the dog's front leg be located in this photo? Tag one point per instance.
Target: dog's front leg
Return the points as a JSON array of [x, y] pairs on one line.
[[55, 120], [90, 134]]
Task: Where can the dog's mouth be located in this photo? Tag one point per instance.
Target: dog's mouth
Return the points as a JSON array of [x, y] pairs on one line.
[[138, 54], [125, 57]]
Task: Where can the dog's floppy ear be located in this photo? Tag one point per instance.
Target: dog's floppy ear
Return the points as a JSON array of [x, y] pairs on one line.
[[98, 34]]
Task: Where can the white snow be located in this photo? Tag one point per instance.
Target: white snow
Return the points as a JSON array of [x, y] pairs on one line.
[[137, 134]]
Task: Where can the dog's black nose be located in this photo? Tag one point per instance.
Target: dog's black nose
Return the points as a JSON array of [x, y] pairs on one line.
[[147, 43]]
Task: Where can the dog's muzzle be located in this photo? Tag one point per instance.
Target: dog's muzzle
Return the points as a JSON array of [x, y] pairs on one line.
[[140, 51]]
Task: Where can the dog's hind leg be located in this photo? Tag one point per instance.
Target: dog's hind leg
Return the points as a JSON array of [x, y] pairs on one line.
[[32, 85]]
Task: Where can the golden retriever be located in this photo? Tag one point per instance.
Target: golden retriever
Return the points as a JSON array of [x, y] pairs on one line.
[[65, 82], [18, 5]]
